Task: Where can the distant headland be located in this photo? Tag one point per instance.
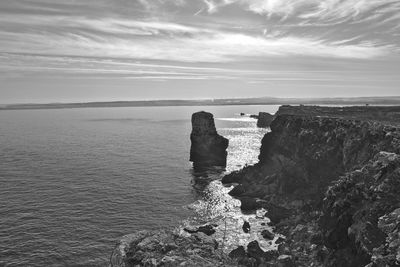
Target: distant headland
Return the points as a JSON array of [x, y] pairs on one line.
[[378, 100]]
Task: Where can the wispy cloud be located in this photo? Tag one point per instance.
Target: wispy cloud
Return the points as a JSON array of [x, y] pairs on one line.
[[322, 9], [222, 32], [164, 41]]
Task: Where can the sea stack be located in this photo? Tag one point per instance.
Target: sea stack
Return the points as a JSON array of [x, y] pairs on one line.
[[208, 147], [264, 119]]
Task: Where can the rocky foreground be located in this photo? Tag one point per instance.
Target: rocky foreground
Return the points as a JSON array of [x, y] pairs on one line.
[[329, 179]]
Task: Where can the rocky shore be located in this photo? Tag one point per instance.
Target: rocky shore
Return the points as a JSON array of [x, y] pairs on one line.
[[329, 178], [329, 181]]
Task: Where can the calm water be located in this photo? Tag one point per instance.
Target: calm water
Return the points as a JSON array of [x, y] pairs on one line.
[[73, 181]]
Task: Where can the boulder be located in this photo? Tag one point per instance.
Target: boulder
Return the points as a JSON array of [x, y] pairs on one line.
[[254, 251], [246, 227], [206, 229], [208, 147], [267, 234], [248, 204], [276, 213], [238, 253]]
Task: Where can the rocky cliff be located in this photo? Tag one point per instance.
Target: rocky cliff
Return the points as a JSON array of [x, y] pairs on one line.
[[264, 119], [208, 147], [333, 174], [329, 179]]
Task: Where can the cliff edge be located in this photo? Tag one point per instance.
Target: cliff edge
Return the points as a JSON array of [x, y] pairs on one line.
[[329, 177]]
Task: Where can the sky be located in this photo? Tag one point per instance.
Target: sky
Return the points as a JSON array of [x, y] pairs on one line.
[[103, 50]]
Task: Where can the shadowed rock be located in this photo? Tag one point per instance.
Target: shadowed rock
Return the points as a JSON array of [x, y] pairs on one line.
[[248, 204], [264, 119], [254, 251], [206, 229], [267, 234], [238, 253], [208, 147], [328, 176], [246, 227]]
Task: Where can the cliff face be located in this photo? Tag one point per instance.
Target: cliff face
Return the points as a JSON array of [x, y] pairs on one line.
[[335, 172], [353, 214], [264, 119], [208, 147], [303, 154], [310, 152]]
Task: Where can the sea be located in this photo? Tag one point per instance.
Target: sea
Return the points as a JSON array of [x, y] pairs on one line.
[[74, 181]]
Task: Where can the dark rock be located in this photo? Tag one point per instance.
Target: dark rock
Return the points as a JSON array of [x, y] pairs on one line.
[[246, 227], [254, 116], [254, 251], [271, 255], [285, 261], [248, 204], [237, 191], [208, 147], [279, 240], [206, 229], [276, 213], [352, 208], [242, 114], [388, 253], [238, 253], [190, 230], [233, 177], [267, 234], [264, 119], [248, 262], [316, 239], [283, 248]]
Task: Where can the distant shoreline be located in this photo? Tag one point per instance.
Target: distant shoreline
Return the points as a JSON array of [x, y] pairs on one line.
[[389, 100]]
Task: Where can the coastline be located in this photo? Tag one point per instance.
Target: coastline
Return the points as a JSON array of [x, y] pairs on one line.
[[311, 167], [259, 101]]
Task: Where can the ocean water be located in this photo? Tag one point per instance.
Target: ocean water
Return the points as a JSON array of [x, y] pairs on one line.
[[73, 181]]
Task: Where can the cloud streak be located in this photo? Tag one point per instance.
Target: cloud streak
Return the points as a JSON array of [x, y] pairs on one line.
[[164, 41], [187, 39]]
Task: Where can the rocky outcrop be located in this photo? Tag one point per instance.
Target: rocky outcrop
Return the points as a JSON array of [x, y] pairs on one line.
[[388, 253], [264, 119], [302, 155], [358, 213], [166, 248], [334, 178], [208, 147], [329, 180]]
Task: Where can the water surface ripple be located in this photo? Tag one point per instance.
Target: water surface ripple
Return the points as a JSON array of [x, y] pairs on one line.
[[73, 181]]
